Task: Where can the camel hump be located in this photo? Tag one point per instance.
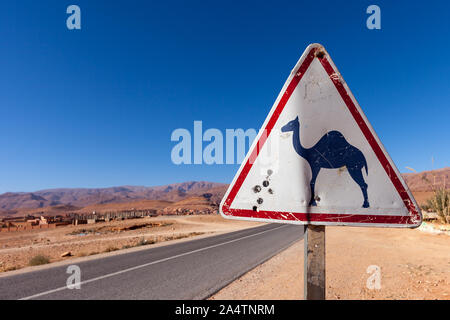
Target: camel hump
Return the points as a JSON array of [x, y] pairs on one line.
[[334, 137], [335, 134]]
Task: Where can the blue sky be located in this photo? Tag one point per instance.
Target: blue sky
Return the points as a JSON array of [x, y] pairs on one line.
[[96, 107]]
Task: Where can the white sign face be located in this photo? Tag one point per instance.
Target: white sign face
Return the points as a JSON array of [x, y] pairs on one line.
[[317, 160]]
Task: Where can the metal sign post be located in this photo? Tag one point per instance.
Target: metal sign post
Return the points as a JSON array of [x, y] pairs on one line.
[[314, 260]]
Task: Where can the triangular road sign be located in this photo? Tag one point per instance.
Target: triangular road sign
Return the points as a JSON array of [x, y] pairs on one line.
[[317, 160]]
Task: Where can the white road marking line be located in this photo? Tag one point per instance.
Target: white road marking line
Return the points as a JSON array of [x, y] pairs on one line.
[[148, 264]]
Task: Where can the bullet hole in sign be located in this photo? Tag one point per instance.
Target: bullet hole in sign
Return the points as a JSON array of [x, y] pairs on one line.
[[265, 183], [320, 54], [255, 208], [270, 191], [260, 200], [256, 189]]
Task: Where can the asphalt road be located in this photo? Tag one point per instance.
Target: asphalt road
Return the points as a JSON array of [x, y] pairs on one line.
[[188, 270]]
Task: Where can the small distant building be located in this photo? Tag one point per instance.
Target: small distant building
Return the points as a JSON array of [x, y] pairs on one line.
[[43, 220], [152, 213], [32, 222]]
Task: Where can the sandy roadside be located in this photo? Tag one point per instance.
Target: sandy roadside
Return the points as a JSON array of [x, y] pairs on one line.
[[414, 265], [18, 248]]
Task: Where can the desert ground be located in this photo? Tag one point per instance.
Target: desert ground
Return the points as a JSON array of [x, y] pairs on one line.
[[414, 265], [18, 248]]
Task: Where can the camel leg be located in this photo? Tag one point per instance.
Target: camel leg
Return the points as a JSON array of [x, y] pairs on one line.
[[315, 172], [356, 174]]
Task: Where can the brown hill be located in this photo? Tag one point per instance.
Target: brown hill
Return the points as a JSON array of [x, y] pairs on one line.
[[47, 211], [195, 204], [428, 180], [16, 200], [10, 202], [135, 205], [192, 205]]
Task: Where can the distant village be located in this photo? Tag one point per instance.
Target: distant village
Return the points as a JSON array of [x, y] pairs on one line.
[[42, 221]]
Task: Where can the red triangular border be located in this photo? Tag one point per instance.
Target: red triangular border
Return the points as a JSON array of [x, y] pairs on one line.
[[413, 220]]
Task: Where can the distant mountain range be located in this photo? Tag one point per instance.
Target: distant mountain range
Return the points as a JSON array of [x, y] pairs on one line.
[[78, 198], [63, 200]]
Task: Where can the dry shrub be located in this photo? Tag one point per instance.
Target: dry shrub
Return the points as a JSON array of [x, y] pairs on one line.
[[440, 203], [39, 260]]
